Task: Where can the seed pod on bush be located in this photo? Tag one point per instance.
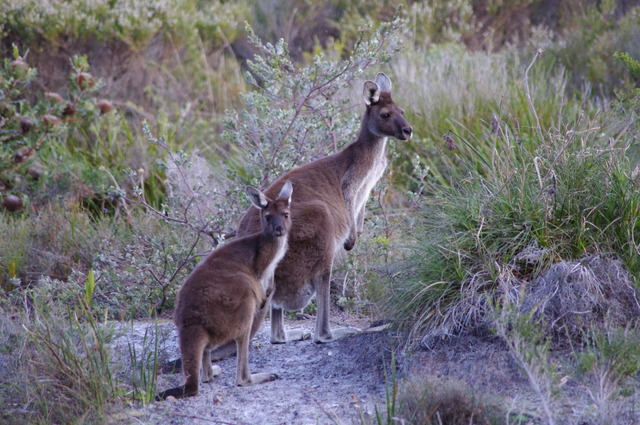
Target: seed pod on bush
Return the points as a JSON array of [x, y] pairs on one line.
[[19, 67], [35, 171], [50, 120], [69, 110], [12, 203], [26, 125], [7, 110], [105, 106], [85, 80], [23, 154], [54, 97]]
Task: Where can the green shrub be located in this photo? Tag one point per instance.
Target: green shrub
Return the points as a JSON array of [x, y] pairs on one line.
[[561, 192], [135, 22], [294, 114], [53, 242], [588, 52], [606, 366]]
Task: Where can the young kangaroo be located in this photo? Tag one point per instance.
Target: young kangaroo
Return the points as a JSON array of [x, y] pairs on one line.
[[227, 292], [328, 212]]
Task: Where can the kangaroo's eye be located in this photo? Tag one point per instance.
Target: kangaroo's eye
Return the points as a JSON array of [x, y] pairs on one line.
[[267, 217], [386, 115], [286, 215]]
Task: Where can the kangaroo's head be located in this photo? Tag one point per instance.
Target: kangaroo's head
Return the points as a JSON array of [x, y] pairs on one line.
[[274, 214], [383, 117]]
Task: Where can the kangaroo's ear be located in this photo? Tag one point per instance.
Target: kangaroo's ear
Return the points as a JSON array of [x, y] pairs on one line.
[[286, 191], [371, 93], [383, 82], [257, 198]]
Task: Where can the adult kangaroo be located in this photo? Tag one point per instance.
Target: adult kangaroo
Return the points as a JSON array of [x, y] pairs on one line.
[[328, 212], [229, 291]]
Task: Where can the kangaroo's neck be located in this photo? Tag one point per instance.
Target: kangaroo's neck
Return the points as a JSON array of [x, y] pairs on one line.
[[368, 151], [269, 252], [369, 146]]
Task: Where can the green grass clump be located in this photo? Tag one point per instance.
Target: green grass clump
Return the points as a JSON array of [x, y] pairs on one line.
[[52, 242], [569, 192], [459, 103], [60, 358], [60, 370], [435, 401]]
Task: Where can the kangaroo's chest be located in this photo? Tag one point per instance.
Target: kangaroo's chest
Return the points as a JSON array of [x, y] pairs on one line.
[[266, 277], [362, 182]]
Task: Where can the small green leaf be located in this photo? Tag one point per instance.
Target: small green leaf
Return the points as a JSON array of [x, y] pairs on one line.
[[89, 286]]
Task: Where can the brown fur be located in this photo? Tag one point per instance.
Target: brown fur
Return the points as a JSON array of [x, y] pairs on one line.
[[227, 293], [328, 211]]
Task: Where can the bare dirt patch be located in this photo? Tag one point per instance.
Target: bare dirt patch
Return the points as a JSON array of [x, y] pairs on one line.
[[318, 383]]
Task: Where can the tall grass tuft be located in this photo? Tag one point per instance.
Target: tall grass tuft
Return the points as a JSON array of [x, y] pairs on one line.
[[435, 401], [68, 362], [144, 365]]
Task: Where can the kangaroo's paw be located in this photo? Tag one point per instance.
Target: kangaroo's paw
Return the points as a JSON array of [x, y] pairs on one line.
[[336, 334], [292, 335], [258, 378], [177, 392], [208, 373]]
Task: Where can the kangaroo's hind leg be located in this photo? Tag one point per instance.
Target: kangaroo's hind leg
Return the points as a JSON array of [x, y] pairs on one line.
[[209, 371], [323, 331], [243, 377], [193, 341]]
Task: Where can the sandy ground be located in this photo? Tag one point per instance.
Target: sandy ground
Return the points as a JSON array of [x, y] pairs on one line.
[[318, 383], [336, 383]]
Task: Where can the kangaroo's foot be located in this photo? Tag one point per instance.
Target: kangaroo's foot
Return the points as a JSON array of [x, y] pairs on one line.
[[177, 392], [172, 366], [258, 378], [292, 335], [336, 334], [210, 372], [302, 316], [223, 352]]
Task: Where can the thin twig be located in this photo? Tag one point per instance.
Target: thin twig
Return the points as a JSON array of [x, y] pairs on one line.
[[528, 92]]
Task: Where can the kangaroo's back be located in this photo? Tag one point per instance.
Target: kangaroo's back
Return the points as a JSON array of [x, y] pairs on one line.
[[230, 271]]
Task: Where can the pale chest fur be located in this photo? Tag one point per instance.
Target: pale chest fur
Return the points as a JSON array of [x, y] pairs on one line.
[[280, 250], [364, 185], [371, 179]]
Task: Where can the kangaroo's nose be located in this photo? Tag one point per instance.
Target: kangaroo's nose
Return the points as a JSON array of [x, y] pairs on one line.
[[279, 230], [407, 131]]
